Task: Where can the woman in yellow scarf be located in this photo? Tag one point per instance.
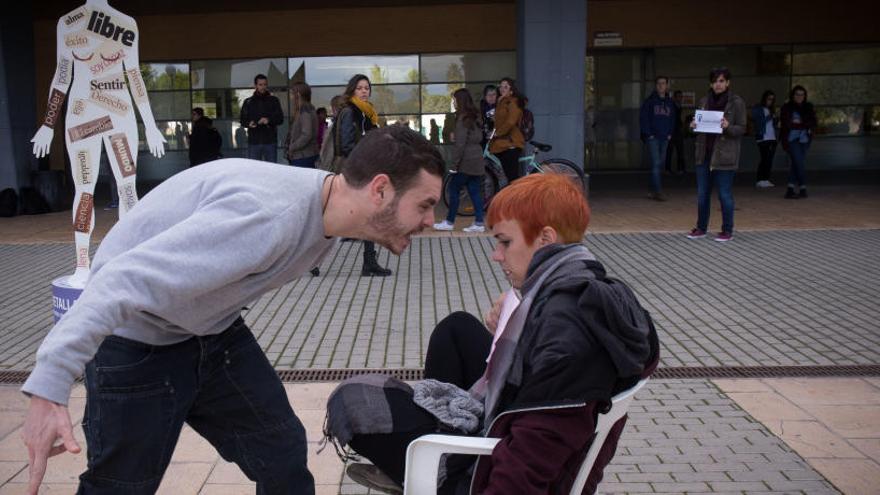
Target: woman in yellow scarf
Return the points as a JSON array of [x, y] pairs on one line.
[[356, 118]]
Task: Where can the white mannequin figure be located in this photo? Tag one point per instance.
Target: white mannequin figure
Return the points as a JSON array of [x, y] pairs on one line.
[[95, 42]]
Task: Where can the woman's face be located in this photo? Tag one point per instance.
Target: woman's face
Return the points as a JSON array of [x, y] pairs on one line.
[[720, 85], [362, 90], [768, 102], [504, 88], [799, 97], [512, 251], [491, 96]]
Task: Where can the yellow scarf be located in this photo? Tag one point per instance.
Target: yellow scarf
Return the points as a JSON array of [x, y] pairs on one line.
[[367, 108]]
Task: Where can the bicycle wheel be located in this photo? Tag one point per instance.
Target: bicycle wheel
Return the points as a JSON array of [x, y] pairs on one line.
[[491, 186], [465, 206], [566, 168]]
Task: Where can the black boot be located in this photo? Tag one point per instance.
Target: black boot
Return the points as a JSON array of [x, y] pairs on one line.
[[790, 194], [803, 193], [315, 271], [371, 265]]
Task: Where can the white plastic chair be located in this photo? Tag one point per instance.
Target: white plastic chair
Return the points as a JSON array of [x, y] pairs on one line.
[[423, 453]]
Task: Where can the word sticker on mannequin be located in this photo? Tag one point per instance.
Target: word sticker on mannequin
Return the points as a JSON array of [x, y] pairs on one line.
[[97, 49]]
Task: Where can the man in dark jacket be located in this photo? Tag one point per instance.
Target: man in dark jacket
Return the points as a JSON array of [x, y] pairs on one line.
[[657, 122], [260, 115], [204, 141]]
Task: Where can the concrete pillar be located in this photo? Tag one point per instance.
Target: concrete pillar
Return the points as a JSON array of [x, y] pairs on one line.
[[551, 64], [17, 114]]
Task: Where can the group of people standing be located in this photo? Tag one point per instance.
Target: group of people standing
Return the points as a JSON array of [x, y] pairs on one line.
[[496, 124], [793, 127], [717, 155]]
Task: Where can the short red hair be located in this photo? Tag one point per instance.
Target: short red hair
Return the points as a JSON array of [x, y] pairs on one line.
[[542, 200]]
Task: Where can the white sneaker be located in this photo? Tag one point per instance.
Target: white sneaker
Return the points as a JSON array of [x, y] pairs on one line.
[[474, 228], [767, 183], [444, 225]]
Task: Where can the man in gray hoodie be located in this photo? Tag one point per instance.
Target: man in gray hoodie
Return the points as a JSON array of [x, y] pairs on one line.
[[158, 332]]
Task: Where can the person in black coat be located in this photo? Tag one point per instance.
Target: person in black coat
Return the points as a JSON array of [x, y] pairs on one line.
[[204, 141]]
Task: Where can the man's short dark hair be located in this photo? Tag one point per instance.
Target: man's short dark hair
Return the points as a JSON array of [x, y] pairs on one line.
[[199, 111], [396, 151], [260, 76], [719, 71], [657, 79]]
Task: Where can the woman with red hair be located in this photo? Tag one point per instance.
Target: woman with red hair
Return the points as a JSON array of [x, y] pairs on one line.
[[560, 342]]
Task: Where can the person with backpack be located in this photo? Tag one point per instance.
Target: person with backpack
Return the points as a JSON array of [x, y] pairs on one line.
[[508, 141]]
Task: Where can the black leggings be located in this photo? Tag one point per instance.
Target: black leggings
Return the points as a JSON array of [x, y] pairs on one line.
[[456, 354], [510, 163]]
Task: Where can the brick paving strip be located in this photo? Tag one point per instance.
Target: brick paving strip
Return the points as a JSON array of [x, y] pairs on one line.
[[789, 298]]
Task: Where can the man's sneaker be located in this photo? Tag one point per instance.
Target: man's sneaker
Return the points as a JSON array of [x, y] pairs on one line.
[[657, 196], [474, 228], [763, 184], [371, 477], [696, 234], [789, 193], [723, 237], [444, 225], [803, 193]]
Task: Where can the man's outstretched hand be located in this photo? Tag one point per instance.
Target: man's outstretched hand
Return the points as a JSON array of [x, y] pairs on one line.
[[46, 422]]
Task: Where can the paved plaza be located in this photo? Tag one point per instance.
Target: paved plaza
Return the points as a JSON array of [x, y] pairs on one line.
[[772, 297], [765, 299]]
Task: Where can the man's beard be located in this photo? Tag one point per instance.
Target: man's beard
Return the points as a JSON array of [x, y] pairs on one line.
[[386, 225]]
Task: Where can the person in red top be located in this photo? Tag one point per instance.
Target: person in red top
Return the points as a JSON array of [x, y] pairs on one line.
[[577, 338]]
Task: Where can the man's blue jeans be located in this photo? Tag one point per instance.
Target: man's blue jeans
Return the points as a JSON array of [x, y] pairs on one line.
[[265, 152], [723, 180], [223, 386], [474, 184], [657, 150]]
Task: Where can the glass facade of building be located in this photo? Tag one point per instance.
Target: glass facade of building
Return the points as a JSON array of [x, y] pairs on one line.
[[414, 88], [843, 82]]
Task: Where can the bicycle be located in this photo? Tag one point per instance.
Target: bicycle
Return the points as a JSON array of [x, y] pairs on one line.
[[495, 179]]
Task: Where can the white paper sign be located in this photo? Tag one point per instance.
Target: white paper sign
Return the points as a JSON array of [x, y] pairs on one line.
[[708, 121]]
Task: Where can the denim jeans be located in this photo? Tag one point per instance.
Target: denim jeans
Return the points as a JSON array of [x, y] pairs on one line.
[[657, 149], [474, 185], [223, 386], [308, 162], [723, 180], [265, 152], [797, 153]]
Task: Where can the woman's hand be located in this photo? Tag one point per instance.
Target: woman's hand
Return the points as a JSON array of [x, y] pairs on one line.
[[724, 123], [491, 318]]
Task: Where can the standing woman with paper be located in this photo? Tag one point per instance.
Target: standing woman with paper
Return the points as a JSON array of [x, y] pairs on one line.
[[717, 152]]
